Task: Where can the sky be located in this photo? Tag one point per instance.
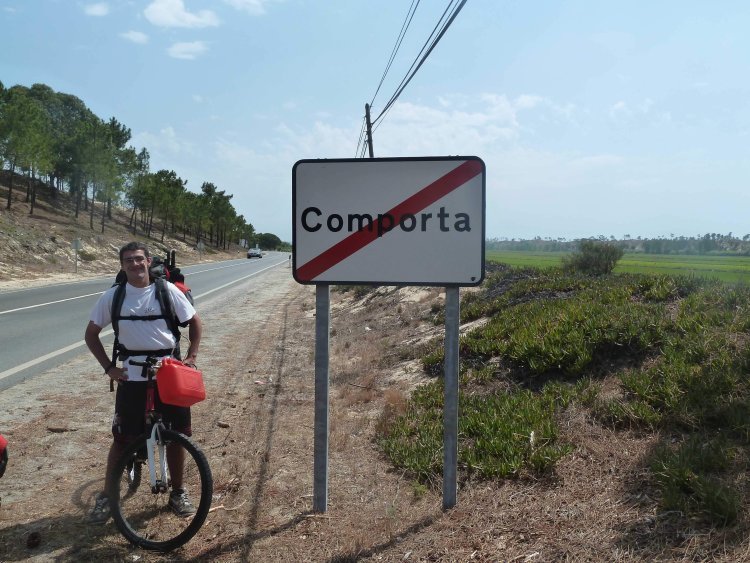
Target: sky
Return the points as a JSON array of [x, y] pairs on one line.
[[592, 117]]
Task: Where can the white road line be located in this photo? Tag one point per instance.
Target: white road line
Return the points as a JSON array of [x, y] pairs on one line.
[[49, 303], [237, 280], [40, 359], [100, 292]]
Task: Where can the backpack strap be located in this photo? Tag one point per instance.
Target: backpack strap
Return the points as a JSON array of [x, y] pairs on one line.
[[167, 313], [116, 309], [167, 308], [117, 300], [165, 304]]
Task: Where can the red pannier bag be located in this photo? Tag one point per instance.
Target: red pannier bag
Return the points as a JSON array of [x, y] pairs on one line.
[[3, 454], [179, 384]]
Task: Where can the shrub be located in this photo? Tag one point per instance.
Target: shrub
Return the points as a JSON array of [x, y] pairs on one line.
[[86, 256], [593, 258]]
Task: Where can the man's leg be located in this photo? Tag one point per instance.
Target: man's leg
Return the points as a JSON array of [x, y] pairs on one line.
[[176, 463], [115, 453], [101, 511], [179, 501]]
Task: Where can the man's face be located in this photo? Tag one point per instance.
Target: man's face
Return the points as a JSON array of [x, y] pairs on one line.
[[136, 265]]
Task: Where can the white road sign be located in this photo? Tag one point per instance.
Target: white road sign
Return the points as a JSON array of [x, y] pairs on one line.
[[390, 221]]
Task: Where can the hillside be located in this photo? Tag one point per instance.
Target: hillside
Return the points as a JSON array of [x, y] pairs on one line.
[[40, 245]]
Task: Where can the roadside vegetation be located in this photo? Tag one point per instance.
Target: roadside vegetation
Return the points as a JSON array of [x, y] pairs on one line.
[[59, 155], [673, 353], [727, 268]]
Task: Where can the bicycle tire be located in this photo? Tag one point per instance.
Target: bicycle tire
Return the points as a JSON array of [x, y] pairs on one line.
[[144, 517]]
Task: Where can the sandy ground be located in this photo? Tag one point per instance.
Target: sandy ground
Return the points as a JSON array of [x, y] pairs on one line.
[[57, 425], [256, 427]]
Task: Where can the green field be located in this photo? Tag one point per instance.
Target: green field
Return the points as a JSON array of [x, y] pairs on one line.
[[726, 268]]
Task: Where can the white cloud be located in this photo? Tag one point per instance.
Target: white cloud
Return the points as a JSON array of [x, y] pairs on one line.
[[622, 111], [252, 7], [172, 13], [98, 9], [164, 146], [187, 51], [135, 37], [197, 98], [527, 101]]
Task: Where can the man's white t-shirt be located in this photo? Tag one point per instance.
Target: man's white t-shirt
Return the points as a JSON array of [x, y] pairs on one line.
[[142, 335]]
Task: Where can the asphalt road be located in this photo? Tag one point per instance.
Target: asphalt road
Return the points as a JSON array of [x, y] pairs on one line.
[[43, 327]]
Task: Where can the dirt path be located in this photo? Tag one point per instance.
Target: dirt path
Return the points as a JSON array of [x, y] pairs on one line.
[[256, 428], [57, 428]]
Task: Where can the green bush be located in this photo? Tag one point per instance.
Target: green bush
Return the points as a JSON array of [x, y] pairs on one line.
[[593, 258], [679, 345], [86, 256]]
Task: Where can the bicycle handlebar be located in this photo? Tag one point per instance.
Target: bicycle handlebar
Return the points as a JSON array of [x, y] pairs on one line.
[[150, 361]]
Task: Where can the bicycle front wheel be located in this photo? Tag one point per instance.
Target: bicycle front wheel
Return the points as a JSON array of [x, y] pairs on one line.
[[146, 517]]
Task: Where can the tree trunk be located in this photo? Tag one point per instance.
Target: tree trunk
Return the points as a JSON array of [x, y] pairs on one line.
[[91, 210], [78, 199], [150, 221], [10, 182], [32, 185]]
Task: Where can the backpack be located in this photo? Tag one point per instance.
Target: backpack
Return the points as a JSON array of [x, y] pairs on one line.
[[161, 272]]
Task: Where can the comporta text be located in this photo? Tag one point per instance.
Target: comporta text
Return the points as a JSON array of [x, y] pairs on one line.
[[313, 220]]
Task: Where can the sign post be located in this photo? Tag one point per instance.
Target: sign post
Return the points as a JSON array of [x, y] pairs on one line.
[[450, 406], [200, 247], [76, 245], [320, 446], [388, 221]]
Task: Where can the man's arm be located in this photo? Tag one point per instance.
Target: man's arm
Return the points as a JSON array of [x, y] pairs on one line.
[[96, 347], [95, 344], [195, 330]]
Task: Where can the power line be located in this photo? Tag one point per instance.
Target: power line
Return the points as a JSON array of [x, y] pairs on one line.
[[362, 143], [399, 39], [410, 73]]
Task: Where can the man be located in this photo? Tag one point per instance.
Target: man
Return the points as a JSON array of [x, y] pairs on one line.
[[139, 337]]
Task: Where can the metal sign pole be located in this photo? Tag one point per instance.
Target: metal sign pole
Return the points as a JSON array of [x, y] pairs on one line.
[[450, 407], [320, 447], [76, 244]]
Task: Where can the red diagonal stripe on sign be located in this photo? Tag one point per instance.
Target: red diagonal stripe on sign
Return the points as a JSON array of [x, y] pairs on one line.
[[413, 205]]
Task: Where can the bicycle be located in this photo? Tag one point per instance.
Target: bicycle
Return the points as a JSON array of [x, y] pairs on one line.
[[142, 513]]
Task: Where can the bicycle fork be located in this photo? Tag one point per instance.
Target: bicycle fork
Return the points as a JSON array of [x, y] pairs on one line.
[[159, 482]]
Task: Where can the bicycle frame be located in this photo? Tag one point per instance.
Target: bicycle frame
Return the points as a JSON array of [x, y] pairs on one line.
[[159, 481]]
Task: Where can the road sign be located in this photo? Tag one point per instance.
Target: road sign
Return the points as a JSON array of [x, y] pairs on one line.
[[76, 244], [389, 221]]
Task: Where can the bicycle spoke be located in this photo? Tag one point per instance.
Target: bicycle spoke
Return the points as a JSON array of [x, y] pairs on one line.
[[146, 517]]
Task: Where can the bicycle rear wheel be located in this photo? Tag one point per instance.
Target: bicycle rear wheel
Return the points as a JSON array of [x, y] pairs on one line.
[[145, 517]]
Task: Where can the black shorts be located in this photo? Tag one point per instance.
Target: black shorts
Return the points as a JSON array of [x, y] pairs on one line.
[[130, 409]]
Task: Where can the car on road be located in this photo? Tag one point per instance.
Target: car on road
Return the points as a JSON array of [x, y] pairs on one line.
[[254, 253]]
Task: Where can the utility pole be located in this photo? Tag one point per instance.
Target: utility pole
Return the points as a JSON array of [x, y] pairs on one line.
[[369, 131]]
